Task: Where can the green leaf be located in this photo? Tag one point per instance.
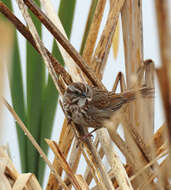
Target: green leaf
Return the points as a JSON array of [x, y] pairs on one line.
[[66, 14], [35, 87], [16, 88], [48, 113]]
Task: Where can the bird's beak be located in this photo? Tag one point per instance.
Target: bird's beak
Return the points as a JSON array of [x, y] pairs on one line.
[[89, 99]]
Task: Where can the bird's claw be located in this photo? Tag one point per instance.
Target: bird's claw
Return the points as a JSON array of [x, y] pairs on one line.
[[84, 138]]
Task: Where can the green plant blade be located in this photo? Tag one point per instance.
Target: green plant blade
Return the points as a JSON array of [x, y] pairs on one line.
[[16, 85], [48, 113], [66, 13], [17, 95], [35, 87]]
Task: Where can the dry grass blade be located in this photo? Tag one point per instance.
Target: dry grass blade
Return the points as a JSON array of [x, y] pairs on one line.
[[38, 42], [149, 164], [64, 43], [96, 160], [119, 78], [82, 182], [35, 144], [26, 33], [132, 25], [129, 151], [115, 163], [70, 64], [7, 163], [133, 48], [164, 72], [11, 179], [59, 155], [155, 185], [163, 19], [160, 136], [65, 141], [74, 158], [94, 28], [88, 175], [149, 81], [8, 173], [103, 47], [115, 41], [91, 172], [27, 181]]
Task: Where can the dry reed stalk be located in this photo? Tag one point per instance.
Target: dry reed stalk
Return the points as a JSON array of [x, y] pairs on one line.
[[90, 172], [26, 33], [87, 174], [102, 51], [132, 133], [94, 28], [154, 186], [35, 144], [65, 140], [8, 173], [119, 78], [82, 182], [26, 181], [117, 117], [129, 171], [163, 21], [73, 70], [64, 43], [7, 161], [115, 163], [38, 42], [160, 136], [115, 41], [164, 72], [99, 168], [133, 45], [59, 155], [158, 140], [11, 179], [74, 158]]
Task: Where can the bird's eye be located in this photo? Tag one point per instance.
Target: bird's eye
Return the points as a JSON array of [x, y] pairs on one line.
[[84, 94]]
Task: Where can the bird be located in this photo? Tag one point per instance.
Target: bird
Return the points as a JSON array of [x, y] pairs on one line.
[[89, 106]]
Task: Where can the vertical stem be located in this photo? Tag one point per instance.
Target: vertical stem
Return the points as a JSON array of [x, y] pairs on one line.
[[165, 48], [133, 47]]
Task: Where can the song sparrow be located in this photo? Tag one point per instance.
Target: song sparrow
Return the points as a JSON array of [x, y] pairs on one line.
[[90, 107]]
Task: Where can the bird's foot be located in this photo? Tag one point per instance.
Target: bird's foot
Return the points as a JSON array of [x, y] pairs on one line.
[[82, 139]]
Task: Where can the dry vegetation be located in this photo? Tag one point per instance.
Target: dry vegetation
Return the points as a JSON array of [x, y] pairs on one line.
[[142, 147]]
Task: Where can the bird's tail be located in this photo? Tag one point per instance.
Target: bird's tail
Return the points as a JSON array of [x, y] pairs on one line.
[[133, 94]]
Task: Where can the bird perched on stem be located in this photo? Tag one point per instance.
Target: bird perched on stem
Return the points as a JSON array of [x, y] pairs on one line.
[[90, 106]]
